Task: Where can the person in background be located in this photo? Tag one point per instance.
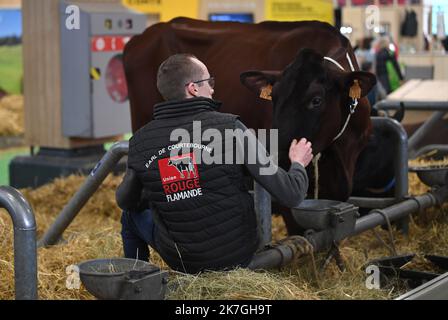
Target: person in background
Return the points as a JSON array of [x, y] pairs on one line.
[[387, 70], [364, 52], [366, 59]]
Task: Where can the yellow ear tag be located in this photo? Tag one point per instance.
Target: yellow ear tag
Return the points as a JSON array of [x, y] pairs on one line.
[[355, 90], [266, 92]]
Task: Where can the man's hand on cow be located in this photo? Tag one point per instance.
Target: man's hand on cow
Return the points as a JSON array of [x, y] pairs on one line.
[[301, 152]]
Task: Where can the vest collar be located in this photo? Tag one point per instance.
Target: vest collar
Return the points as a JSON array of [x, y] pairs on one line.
[[185, 107]]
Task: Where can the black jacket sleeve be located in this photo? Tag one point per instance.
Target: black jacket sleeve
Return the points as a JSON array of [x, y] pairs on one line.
[[289, 188], [129, 192]]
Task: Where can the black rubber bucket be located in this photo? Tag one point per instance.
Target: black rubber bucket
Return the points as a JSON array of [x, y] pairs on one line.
[[431, 175]]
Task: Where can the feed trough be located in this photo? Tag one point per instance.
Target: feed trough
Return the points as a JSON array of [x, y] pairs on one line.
[[323, 214], [329, 221], [432, 175], [123, 279]]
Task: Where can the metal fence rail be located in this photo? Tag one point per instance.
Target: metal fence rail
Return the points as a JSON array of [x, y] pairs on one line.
[[25, 251], [436, 289], [92, 183]]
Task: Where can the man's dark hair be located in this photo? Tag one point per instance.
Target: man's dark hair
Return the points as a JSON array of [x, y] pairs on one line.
[[174, 73]]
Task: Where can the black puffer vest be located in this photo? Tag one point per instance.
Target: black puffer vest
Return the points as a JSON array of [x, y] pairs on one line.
[[203, 212]]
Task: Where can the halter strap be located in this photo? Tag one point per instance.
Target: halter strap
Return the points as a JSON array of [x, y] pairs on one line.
[[339, 65], [335, 62], [355, 101]]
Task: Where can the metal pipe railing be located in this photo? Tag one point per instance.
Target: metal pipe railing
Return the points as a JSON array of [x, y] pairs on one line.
[[376, 217], [412, 105], [365, 202], [25, 250], [400, 144], [435, 289], [262, 203], [283, 254], [423, 130], [92, 183], [431, 147], [401, 210], [272, 258], [401, 156], [400, 161]]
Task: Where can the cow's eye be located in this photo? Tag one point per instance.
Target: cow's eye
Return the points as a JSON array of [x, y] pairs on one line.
[[316, 102]]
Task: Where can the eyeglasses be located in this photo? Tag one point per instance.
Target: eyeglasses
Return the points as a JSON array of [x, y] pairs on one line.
[[211, 82]]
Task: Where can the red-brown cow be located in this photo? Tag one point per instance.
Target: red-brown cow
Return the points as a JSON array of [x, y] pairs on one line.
[[318, 87]]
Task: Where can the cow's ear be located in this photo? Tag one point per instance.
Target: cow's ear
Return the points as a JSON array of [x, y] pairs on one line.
[[260, 82], [359, 81]]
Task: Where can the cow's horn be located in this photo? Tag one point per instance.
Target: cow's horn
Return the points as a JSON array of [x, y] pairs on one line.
[[355, 90], [266, 92]]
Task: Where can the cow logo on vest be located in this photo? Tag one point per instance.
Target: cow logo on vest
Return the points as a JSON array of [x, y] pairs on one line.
[[180, 177]]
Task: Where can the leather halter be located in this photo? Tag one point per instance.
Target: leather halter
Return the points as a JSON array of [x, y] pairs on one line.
[[355, 101]]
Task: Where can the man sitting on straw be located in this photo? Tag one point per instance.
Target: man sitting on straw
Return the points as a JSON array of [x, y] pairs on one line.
[[197, 213]]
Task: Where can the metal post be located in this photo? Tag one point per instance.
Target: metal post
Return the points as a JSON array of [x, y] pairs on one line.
[[262, 201], [25, 251], [400, 163], [401, 156], [93, 181], [421, 132], [400, 166]]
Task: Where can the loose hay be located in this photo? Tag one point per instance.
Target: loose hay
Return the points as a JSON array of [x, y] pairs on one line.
[[95, 233], [12, 115], [238, 284], [423, 162]]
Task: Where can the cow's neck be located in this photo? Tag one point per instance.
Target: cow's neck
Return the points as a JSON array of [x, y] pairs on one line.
[[334, 176], [337, 167]]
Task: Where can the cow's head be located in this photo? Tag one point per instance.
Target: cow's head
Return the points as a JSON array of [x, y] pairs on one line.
[[310, 98]]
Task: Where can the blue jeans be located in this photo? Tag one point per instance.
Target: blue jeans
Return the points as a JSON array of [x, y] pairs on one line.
[[137, 233]]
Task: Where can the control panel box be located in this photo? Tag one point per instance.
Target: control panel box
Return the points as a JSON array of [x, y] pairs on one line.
[[94, 91]]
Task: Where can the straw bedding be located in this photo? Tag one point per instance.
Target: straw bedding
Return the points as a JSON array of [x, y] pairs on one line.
[[11, 115], [95, 233]]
